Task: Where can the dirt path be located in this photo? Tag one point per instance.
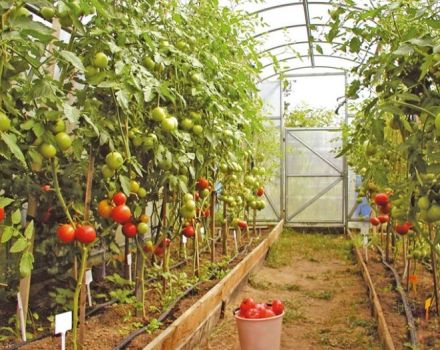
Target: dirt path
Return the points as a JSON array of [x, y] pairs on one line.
[[326, 300]]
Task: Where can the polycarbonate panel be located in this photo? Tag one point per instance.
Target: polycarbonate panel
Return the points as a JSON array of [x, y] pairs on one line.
[[328, 208], [270, 92], [314, 186], [312, 153]]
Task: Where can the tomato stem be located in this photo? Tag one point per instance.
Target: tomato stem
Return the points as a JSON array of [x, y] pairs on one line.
[[59, 194], [79, 282]]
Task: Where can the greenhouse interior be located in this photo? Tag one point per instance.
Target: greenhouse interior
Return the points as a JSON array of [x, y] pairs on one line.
[[219, 174]]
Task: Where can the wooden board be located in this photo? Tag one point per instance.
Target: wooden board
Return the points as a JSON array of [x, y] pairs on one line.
[[199, 319], [383, 330]]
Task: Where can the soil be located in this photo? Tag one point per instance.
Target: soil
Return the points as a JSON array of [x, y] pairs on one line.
[[427, 330], [114, 323], [327, 306]]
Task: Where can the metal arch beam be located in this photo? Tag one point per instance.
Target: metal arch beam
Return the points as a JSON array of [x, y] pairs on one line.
[[300, 68], [304, 56], [294, 26], [309, 31], [306, 42], [270, 8]]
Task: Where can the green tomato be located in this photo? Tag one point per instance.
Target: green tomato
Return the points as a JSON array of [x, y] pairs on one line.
[[100, 60], [134, 186], [148, 63], [165, 164], [169, 124], [149, 142], [424, 203], [47, 12], [158, 114], [188, 197], [205, 193], [196, 78], [114, 160], [66, 21], [59, 126], [47, 150], [90, 71], [196, 116], [137, 141], [197, 130], [107, 172], [181, 45], [190, 204], [142, 192], [160, 67], [5, 122], [187, 124], [142, 228], [63, 140]]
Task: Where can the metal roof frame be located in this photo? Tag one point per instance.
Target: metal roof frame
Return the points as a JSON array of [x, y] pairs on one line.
[[265, 9], [300, 68], [304, 56]]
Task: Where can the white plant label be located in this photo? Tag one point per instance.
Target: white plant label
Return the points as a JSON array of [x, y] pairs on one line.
[[129, 261], [89, 279], [63, 323], [202, 231], [21, 315], [234, 234], [184, 239]]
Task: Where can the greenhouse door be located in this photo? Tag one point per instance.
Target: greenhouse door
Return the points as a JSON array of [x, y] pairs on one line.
[[314, 178]]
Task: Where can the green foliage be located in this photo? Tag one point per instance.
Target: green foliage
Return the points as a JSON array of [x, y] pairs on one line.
[[305, 116]]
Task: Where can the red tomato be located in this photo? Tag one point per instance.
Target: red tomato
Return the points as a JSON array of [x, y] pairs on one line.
[[2, 214], [252, 313], [66, 233], [188, 231], [129, 230], [207, 213], [402, 229], [121, 214], [105, 209], [46, 216], [242, 224], [277, 307], [119, 198], [202, 183], [383, 218], [158, 251], [374, 221], [385, 209], [269, 313], [45, 188], [381, 199], [167, 242], [196, 195], [247, 304], [85, 234], [409, 224], [260, 191]]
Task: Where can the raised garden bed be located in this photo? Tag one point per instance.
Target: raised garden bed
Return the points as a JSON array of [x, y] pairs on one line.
[[185, 320]]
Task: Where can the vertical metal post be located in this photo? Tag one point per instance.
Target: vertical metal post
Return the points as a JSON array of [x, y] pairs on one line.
[[283, 157], [345, 183]]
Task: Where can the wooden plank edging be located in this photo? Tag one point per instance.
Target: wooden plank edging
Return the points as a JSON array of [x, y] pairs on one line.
[[383, 330], [183, 327]]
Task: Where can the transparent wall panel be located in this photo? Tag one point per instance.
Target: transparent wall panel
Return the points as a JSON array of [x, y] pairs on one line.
[[301, 190], [314, 186]]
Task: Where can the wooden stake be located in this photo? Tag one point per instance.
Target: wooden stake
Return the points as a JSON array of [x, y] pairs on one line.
[[434, 270], [212, 225], [225, 230], [255, 222]]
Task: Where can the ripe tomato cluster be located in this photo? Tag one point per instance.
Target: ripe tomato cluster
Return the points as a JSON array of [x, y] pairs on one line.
[[82, 233], [251, 310]]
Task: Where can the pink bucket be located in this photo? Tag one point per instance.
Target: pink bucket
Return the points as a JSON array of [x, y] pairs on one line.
[[260, 333]]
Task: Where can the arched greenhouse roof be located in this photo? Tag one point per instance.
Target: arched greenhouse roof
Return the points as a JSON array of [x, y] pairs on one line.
[[294, 32]]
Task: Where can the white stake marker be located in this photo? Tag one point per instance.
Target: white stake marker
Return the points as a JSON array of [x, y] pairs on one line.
[[184, 240], [366, 247], [234, 234], [21, 315], [89, 279], [129, 262], [63, 323]]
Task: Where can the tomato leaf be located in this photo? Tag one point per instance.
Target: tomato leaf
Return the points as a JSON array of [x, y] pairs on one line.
[[7, 234], [26, 264], [11, 142], [29, 230], [19, 245], [16, 217], [73, 59], [72, 113], [125, 183], [4, 201]]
